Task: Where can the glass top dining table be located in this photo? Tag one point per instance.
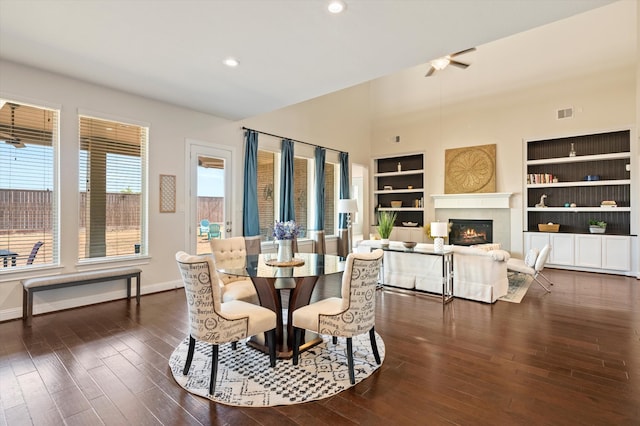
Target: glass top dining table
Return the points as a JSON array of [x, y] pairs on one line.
[[269, 282]]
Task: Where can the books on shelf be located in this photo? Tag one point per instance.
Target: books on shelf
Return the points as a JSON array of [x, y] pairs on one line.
[[608, 203], [533, 178]]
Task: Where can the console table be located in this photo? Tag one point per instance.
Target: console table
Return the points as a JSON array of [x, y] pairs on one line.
[[447, 267]]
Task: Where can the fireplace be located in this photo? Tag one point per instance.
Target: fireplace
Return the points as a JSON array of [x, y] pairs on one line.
[[467, 232]]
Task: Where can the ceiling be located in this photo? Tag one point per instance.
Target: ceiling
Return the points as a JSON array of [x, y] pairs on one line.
[[289, 50]]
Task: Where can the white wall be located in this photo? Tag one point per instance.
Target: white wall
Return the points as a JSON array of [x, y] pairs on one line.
[[169, 127]]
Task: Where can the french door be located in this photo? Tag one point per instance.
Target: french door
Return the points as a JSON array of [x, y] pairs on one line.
[[209, 188]]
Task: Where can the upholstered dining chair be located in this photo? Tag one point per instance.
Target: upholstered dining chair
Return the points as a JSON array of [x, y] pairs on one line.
[[232, 252], [216, 322], [351, 314], [532, 265]]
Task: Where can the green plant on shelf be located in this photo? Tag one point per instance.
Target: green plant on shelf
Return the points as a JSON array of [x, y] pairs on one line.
[[386, 220], [598, 223]]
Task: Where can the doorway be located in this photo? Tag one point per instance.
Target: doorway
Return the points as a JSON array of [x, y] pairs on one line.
[[209, 201]]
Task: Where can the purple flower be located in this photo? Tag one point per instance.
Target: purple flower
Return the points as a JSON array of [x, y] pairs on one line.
[[285, 230]]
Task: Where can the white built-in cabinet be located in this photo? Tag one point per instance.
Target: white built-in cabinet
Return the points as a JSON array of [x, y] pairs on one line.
[[570, 181], [588, 252]]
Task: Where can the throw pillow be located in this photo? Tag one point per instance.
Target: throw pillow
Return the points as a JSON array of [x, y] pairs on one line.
[[530, 258]]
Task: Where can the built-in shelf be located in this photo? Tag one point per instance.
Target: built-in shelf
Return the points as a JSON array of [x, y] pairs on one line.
[[401, 173], [580, 209], [400, 209], [400, 191], [581, 158], [581, 183], [411, 173], [607, 155]]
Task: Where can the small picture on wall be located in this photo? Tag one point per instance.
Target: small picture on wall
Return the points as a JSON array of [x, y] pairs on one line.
[[470, 169]]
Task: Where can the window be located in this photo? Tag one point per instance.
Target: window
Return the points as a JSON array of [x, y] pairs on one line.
[[266, 192], [301, 189], [304, 190], [112, 188], [331, 194], [28, 195]]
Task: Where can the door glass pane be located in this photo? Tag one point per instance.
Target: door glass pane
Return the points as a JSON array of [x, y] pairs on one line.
[[210, 202]]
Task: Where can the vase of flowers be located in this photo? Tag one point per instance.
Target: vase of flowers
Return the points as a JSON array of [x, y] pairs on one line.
[[284, 233]]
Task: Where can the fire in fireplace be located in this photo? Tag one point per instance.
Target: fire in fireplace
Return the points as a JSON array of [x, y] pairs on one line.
[[467, 232]]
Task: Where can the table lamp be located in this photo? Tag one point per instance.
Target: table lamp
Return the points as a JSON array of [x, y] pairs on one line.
[[348, 206], [438, 231]]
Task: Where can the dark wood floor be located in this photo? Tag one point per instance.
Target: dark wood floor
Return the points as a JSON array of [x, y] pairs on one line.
[[569, 357]]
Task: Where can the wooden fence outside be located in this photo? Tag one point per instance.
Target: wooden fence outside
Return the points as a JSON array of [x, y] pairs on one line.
[[26, 210]]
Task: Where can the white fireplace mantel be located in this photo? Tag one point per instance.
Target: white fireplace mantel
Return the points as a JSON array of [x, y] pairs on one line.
[[491, 200]]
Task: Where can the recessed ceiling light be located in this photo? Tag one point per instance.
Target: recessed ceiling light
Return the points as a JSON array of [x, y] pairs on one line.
[[231, 62], [336, 6]]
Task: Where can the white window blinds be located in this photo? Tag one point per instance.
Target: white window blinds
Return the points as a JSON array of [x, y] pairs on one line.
[[28, 196], [112, 188]]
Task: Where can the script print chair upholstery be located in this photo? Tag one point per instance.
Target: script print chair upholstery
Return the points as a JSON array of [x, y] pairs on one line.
[[232, 252], [216, 322], [351, 314], [532, 265]]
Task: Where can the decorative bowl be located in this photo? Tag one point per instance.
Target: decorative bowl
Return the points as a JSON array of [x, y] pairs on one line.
[[396, 204], [591, 177], [409, 223], [409, 244]]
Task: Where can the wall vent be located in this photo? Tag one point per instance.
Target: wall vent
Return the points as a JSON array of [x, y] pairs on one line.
[[564, 113]]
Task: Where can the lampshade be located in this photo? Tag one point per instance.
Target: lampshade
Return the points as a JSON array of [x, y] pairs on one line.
[[439, 229], [347, 205]]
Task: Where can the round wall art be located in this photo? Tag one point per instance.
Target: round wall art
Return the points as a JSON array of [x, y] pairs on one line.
[[470, 169]]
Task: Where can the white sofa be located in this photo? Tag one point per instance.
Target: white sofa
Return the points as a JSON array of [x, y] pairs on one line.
[[478, 274]]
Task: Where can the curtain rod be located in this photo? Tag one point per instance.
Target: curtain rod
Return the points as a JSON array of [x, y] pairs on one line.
[[284, 137]]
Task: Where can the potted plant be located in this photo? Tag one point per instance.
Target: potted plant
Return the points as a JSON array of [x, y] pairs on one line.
[[597, 226], [386, 220]]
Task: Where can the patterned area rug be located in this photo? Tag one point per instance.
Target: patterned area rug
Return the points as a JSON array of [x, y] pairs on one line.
[[245, 378], [518, 286]]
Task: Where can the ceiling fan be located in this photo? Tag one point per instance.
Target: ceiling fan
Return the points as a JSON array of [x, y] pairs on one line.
[[10, 138], [441, 63]]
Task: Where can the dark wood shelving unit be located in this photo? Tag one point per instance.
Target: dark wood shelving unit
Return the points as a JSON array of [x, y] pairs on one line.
[[406, 185]]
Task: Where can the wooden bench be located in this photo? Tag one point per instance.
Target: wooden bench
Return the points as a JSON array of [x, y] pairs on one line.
[[31, 285]]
